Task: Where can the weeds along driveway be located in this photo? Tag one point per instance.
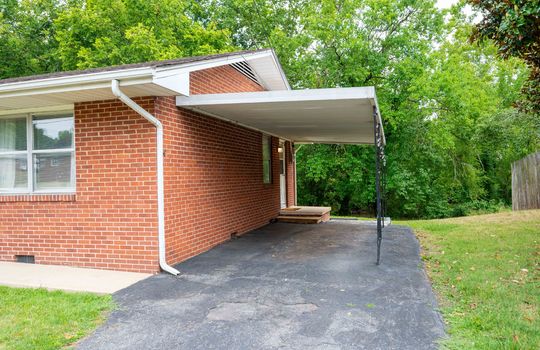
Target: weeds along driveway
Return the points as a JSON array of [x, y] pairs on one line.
[[284, 286]]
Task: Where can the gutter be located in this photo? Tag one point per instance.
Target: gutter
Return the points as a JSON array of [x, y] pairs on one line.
[[115, 87]]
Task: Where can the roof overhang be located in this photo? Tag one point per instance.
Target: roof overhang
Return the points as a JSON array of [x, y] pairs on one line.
[[335, 116], [92, 87], [143, 80]]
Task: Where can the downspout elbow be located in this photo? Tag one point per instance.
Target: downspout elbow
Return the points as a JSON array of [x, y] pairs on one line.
[[115, 88]]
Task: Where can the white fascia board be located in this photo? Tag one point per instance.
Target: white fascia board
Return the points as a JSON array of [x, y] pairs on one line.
[[280, 69], [79, 79], [216, 62], [176, 80], [75, 86], [366, 93]]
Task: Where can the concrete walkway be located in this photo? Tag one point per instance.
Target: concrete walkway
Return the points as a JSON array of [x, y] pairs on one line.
[[285, 286], [66, 278]]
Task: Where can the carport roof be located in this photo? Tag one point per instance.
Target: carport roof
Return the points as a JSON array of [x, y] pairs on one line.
[[336, 116]]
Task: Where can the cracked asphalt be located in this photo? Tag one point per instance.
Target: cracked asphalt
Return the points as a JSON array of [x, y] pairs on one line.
[[284, 286]]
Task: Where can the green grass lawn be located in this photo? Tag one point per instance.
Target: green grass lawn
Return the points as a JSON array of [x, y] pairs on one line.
[[485, 271], [41, 319]]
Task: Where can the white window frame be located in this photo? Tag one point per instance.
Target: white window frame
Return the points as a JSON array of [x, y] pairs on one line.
[[30, 152]]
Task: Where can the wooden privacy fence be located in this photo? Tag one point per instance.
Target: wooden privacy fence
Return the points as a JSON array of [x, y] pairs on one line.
[[526, 183]]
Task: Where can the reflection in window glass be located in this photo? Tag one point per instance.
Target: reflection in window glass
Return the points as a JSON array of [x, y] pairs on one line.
[[53, 132], [52, 171]]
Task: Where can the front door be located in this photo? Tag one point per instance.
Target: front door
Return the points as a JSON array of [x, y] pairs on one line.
[[282, 179]]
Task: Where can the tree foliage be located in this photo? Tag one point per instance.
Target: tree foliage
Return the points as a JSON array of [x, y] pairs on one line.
[[448, 105], [39, 36], [514, 26], [440, 97]]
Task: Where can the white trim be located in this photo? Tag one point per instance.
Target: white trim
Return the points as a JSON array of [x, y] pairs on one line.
[[221, 61], [280, 69], [12, 153], [30, 151], [55, 191], [367, 92], [37, 193], [177, 80], [78, 79], [53, 150]]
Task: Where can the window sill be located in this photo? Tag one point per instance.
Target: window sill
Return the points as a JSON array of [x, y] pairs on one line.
[[38, 197]]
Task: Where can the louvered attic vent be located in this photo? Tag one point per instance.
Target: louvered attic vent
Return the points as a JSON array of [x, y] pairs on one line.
[[244, 68]]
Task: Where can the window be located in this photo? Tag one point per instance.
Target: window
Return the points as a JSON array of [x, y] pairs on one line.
[[267, 159], [37, 153]]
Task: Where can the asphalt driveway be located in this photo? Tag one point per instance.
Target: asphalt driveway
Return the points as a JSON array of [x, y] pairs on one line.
[[285, 286]]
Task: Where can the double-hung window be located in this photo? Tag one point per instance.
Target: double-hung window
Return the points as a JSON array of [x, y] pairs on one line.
[[37, 153]]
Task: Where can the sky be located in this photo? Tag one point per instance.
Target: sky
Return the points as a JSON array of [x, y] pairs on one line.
[[444, 4]]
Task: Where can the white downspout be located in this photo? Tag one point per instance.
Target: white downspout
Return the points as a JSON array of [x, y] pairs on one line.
[[115, 87]]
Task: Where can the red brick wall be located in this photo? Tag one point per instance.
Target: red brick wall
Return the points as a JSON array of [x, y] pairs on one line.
[[213, 172], [111, 222], [213, 186], [221, 79]]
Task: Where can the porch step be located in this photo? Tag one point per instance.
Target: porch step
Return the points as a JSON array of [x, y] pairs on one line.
[[300, 219], [304, 215]]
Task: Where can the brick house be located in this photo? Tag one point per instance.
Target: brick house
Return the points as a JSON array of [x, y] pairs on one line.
[[138, 167]]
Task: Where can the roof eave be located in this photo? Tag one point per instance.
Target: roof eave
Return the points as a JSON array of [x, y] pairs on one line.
[[158, 75]]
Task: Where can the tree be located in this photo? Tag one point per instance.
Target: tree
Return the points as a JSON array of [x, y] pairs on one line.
[[95, 33], [447, 104], [38, 36], [436, 91], [27, 44], [514, 26]]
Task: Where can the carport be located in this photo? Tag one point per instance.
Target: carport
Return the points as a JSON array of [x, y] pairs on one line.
[[324, 116]]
